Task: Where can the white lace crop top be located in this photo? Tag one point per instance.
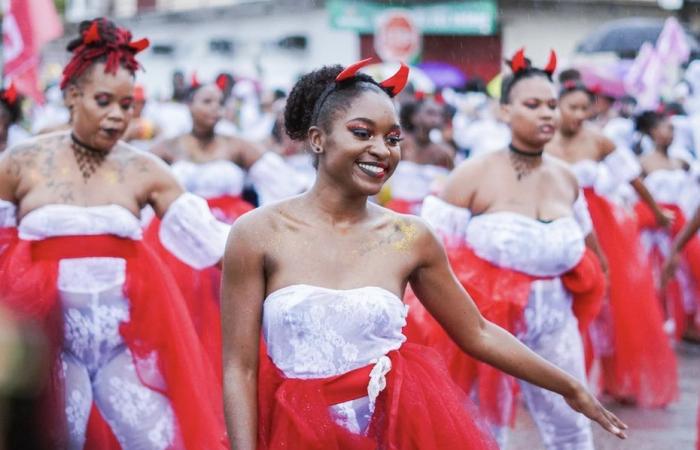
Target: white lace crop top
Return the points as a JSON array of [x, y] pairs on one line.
[[511, 240], [414, 182], [210, 179], [315, 332]]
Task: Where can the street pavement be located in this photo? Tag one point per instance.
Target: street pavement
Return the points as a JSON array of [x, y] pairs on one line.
[[672, 428]]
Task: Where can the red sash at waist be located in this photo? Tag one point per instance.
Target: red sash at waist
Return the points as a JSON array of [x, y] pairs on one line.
[[67, 247], [348, 386]]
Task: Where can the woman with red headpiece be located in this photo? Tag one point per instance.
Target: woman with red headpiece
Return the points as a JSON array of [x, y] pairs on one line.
[[322, 275], [516, 227], [637, 360], [124, 350]]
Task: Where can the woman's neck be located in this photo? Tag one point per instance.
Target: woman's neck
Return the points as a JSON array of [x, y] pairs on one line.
[[335, 205], [202, 133]]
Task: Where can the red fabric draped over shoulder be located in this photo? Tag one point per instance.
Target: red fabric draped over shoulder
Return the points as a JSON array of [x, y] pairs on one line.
[[420, 409], [642, 367], [166, 351], [501, 295]]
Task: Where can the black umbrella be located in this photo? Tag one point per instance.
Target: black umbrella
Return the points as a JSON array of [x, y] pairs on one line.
[[626, 36]]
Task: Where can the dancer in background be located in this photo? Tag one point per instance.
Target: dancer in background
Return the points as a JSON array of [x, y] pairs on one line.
[[638, 363], [321, 276], [677, 189], [11, 132], [426, 158], [123, 349], [516, 228], [216, 168]]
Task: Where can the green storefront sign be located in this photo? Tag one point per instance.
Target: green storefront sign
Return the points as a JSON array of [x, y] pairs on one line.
[[478, 17]]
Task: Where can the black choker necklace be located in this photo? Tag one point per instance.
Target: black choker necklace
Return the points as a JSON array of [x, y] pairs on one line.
[[519, 152], [89, 158]]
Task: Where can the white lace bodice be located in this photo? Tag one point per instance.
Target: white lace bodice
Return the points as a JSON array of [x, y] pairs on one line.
[[521, 243], [315, 332], [71, 220], [210, 179], [413, 182], [668, 186], [511, 240], [8, 214]]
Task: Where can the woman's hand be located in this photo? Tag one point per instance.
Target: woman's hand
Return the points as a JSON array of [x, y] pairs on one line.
[[665, 217], [582, 401]]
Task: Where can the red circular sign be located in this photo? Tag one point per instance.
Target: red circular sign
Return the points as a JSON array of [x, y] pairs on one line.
[[397, 38]]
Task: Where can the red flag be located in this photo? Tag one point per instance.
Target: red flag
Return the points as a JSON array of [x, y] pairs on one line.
[[26, 27]]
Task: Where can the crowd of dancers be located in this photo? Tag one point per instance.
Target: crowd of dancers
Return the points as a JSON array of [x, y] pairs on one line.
[[287, 283]]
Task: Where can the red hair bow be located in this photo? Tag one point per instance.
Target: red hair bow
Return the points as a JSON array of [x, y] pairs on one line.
[[393, 84]]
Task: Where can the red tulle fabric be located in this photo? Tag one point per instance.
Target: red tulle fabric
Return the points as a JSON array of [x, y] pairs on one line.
[[158, 327], [420, 409], [691, 262], [201, 288], [501, 295], [642, 367]]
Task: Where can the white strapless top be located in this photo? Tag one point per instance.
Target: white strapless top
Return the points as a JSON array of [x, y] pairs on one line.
[[316, 332], [668, 185], [413, 182], [210, 179], [518, 242], [71, 220]]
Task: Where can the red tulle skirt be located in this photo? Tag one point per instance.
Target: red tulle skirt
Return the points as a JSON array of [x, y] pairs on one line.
[[201, 288], [501, 295], [642, 366], [674, 295], [158, 327], [420, 409]]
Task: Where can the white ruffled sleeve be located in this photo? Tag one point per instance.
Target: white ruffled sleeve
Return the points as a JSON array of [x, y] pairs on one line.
[[8, 214], [448, 221], [623, 164], [191, 233], [581, 214], [274, 180]]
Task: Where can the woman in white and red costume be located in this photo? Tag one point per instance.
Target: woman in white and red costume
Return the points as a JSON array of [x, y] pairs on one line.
[[322, 275], [216, 168], [676, 188], [638, 363], [516, 227], [127, 367]]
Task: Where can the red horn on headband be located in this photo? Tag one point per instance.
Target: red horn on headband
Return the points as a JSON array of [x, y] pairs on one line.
[[352, 69], [194, 81], [92, 34], [396, 82], [552, 64], [140, 45], [518, 62]]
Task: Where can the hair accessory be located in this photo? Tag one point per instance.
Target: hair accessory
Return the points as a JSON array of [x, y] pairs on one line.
[[92, 34], [222, 82], [570, 84], [518, 63], [351, 70], [194, 81], [140, 45], [552, 64], [10, 94], [396, 82]]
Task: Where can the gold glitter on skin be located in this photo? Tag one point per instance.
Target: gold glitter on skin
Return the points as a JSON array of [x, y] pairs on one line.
[[408, 235]]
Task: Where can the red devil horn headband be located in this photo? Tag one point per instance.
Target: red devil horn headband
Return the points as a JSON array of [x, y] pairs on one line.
[[552, 64], [518, 63], [393, 84], [10, 94]]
